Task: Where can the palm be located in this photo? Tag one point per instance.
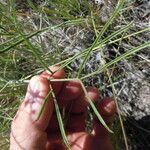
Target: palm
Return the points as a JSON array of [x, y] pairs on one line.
[[74, 100], [29, 133]]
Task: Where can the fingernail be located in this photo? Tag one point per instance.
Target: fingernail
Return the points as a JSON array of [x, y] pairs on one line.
[[110, 107], [35, 97]]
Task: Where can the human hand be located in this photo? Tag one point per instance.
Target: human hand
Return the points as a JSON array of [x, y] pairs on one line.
[[27, 133]]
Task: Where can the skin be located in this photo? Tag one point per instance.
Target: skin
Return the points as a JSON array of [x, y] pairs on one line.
[[27, 133]]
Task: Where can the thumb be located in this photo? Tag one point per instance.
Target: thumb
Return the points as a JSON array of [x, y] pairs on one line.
[[27, 130]]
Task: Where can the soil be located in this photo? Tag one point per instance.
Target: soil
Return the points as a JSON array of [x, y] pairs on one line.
[[133, 85]]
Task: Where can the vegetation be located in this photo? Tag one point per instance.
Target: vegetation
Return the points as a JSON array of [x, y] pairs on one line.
[[35, 35]]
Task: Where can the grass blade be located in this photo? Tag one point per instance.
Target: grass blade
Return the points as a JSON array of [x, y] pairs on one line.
[[34, 51], [130, 35], [110, 20], [125, 55], [67, 23], [61, 125], [101, 44], [95, 109], [43, 106], [89, 100]]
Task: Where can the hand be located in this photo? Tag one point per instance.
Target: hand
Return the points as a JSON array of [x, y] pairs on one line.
[[27, 133]]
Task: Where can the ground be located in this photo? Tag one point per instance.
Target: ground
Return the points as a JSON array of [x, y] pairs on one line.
[[130, 76]]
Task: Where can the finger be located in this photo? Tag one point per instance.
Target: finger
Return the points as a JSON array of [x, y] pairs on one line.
[[26, 129], [84, 141], [77, 141], [81, 141], [76, 119], [81, 103], [70, 91], [59, 74], [53, 126], [73, 123], [76, 123], [37, 92], [107, 109]]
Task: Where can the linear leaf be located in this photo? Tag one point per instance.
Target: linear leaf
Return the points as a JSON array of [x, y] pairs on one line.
[[110, 20], [125, 55]]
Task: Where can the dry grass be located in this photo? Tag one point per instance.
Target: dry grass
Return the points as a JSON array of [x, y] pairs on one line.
[[19, 63]]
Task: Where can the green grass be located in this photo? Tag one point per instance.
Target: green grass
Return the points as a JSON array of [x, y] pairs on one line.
[[22, 53]]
